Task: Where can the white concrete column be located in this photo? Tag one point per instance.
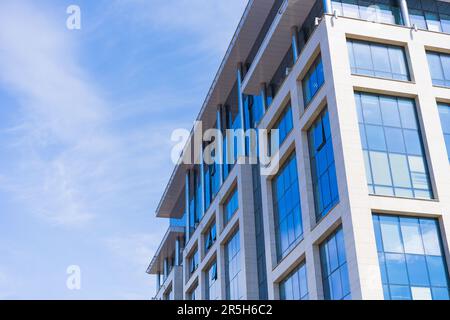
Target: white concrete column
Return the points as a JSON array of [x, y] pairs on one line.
[[314, 273], [247, 231], [269, 234], [221, 272], [353, 207]]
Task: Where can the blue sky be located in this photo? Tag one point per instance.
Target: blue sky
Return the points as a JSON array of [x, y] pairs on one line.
[[85, 123]]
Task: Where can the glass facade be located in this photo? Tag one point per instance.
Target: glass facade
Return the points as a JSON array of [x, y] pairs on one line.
[[295, 286], [212, 182], [334, 267], [193, 262], [313, 81], [392, 144], [195, 202], [322, 165], [444, 113], [378, 60], [385, 11], [284, 125], [411, 257], [231, 120], [233, 281], [231, 206], [210, 237], [439, 64], [212, 285], [286, 202], [430, 15]]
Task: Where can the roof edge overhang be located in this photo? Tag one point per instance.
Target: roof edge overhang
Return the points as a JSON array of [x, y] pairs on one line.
[[165, 248]]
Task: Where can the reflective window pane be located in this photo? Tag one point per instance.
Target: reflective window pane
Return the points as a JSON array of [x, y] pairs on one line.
[[233, 283], [439, 64], [378, 60], [322, 165], [429, 15], [295, 286], [334, 267], [380, 11], [416, 269], [287, 208], [312, 81], [392, 144], [444, 113], [231, 206]]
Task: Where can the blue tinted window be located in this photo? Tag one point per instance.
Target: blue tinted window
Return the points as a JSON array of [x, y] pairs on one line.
[[195, 202], [193, 262], [322, 165], [210, 237], [313, 81], [212, 292], [334, 267], [378, 11], [231, 206], [286, 199], [284, 124], [295, 286], [439, 64], [430, 15], [444, 113], [233, 269], [411, 258], [378, 60], [392, 145]]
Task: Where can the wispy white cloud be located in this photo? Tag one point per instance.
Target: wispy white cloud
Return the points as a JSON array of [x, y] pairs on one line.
[[136, 250], [61, 113], [78, 153], [210, 23], [70, 159]]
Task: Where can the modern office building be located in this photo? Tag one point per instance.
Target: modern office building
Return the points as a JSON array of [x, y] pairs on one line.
[[359, 207]]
